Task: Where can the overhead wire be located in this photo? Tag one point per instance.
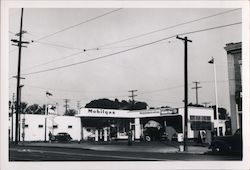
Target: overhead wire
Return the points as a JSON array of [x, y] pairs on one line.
[[51, 61], [130, 49], [97, 58], [72, 26], [211, 28], [166, 28], [66, 90], [133, 37], [144, 92], [100, 47]]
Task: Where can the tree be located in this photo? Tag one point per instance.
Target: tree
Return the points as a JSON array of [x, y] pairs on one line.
[[109, 104], [70, 112], [103, 103], [23, 106], [35, 109], [222, 112], [140, 105]]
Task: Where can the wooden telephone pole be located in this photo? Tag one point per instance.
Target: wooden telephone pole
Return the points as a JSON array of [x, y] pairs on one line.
[[186, 40], [19, 44]]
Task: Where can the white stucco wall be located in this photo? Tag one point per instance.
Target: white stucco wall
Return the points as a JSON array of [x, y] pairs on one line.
[[33, 132], [196, 111], [63, 123]]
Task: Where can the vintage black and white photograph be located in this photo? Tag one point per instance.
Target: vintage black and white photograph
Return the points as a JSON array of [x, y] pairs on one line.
[[125, 84]]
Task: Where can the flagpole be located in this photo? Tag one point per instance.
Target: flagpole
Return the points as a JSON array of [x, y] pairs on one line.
[[212, 61], [216, 98], [45, 124]]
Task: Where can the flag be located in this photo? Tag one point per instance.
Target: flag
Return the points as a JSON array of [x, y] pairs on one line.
[[48, 93], [52, 110], [211, 61]]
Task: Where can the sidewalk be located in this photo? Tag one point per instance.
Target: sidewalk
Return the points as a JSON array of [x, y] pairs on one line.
[[153, 147]]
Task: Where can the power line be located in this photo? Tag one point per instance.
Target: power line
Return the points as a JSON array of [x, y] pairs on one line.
[[97, 58], [51, 61], [145, 92], [72, 91], [166, 28], [130, 49], [84, 22], [163, 101], [159, 90], [58, 45], [211, 28], [99, 48], [75, 54], [140, 35]]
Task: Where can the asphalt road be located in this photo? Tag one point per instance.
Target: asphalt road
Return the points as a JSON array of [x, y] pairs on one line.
[[21, 153]]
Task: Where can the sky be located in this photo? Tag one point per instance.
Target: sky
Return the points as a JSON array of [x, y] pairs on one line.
[[113, 63]]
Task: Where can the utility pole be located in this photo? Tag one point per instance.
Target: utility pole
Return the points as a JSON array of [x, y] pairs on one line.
[[132, 96], [19, 44], [186, 40], [12, 114], [78, 106], [196, 89], [66, 105], [20, 107], [21, 111]]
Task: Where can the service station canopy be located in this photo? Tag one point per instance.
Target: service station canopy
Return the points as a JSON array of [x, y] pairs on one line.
[[112, 113]]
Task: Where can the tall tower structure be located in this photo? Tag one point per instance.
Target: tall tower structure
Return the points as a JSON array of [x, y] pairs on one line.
[[234, 61]]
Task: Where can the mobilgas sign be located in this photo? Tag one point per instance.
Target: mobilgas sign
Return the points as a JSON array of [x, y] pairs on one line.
[[94, 112], [101, 111], [169, 111]]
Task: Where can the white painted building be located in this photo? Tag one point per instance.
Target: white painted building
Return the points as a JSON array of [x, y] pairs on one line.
[[32, 127], [104, 124]]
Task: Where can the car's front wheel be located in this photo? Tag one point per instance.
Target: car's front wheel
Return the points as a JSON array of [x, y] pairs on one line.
[[216, 148], [148, 138], [219, 148]]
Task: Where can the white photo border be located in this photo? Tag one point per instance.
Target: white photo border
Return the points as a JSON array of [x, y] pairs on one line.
[[6, 165]]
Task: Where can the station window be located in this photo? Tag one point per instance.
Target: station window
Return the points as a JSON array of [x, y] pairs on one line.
[[26, 126], [70, 127], [40, 126], [55, 126], [198, 125], [200, 122], [192, 117]]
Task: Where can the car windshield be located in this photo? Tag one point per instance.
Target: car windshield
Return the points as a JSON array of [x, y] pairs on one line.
[[238, 132]]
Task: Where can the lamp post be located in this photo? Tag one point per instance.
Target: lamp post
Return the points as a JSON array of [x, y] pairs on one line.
[[212, 61]]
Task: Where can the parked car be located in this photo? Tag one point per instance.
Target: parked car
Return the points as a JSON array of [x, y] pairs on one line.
[[154, 134], [227, 144], [62, 137]]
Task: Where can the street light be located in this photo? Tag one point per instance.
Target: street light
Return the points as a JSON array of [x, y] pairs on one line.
[[212, 61]]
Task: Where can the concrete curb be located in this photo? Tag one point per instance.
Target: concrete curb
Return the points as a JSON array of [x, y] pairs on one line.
[[123, 149]]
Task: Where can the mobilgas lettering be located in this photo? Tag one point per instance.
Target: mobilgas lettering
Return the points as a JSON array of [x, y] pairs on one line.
[[100, 111]]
